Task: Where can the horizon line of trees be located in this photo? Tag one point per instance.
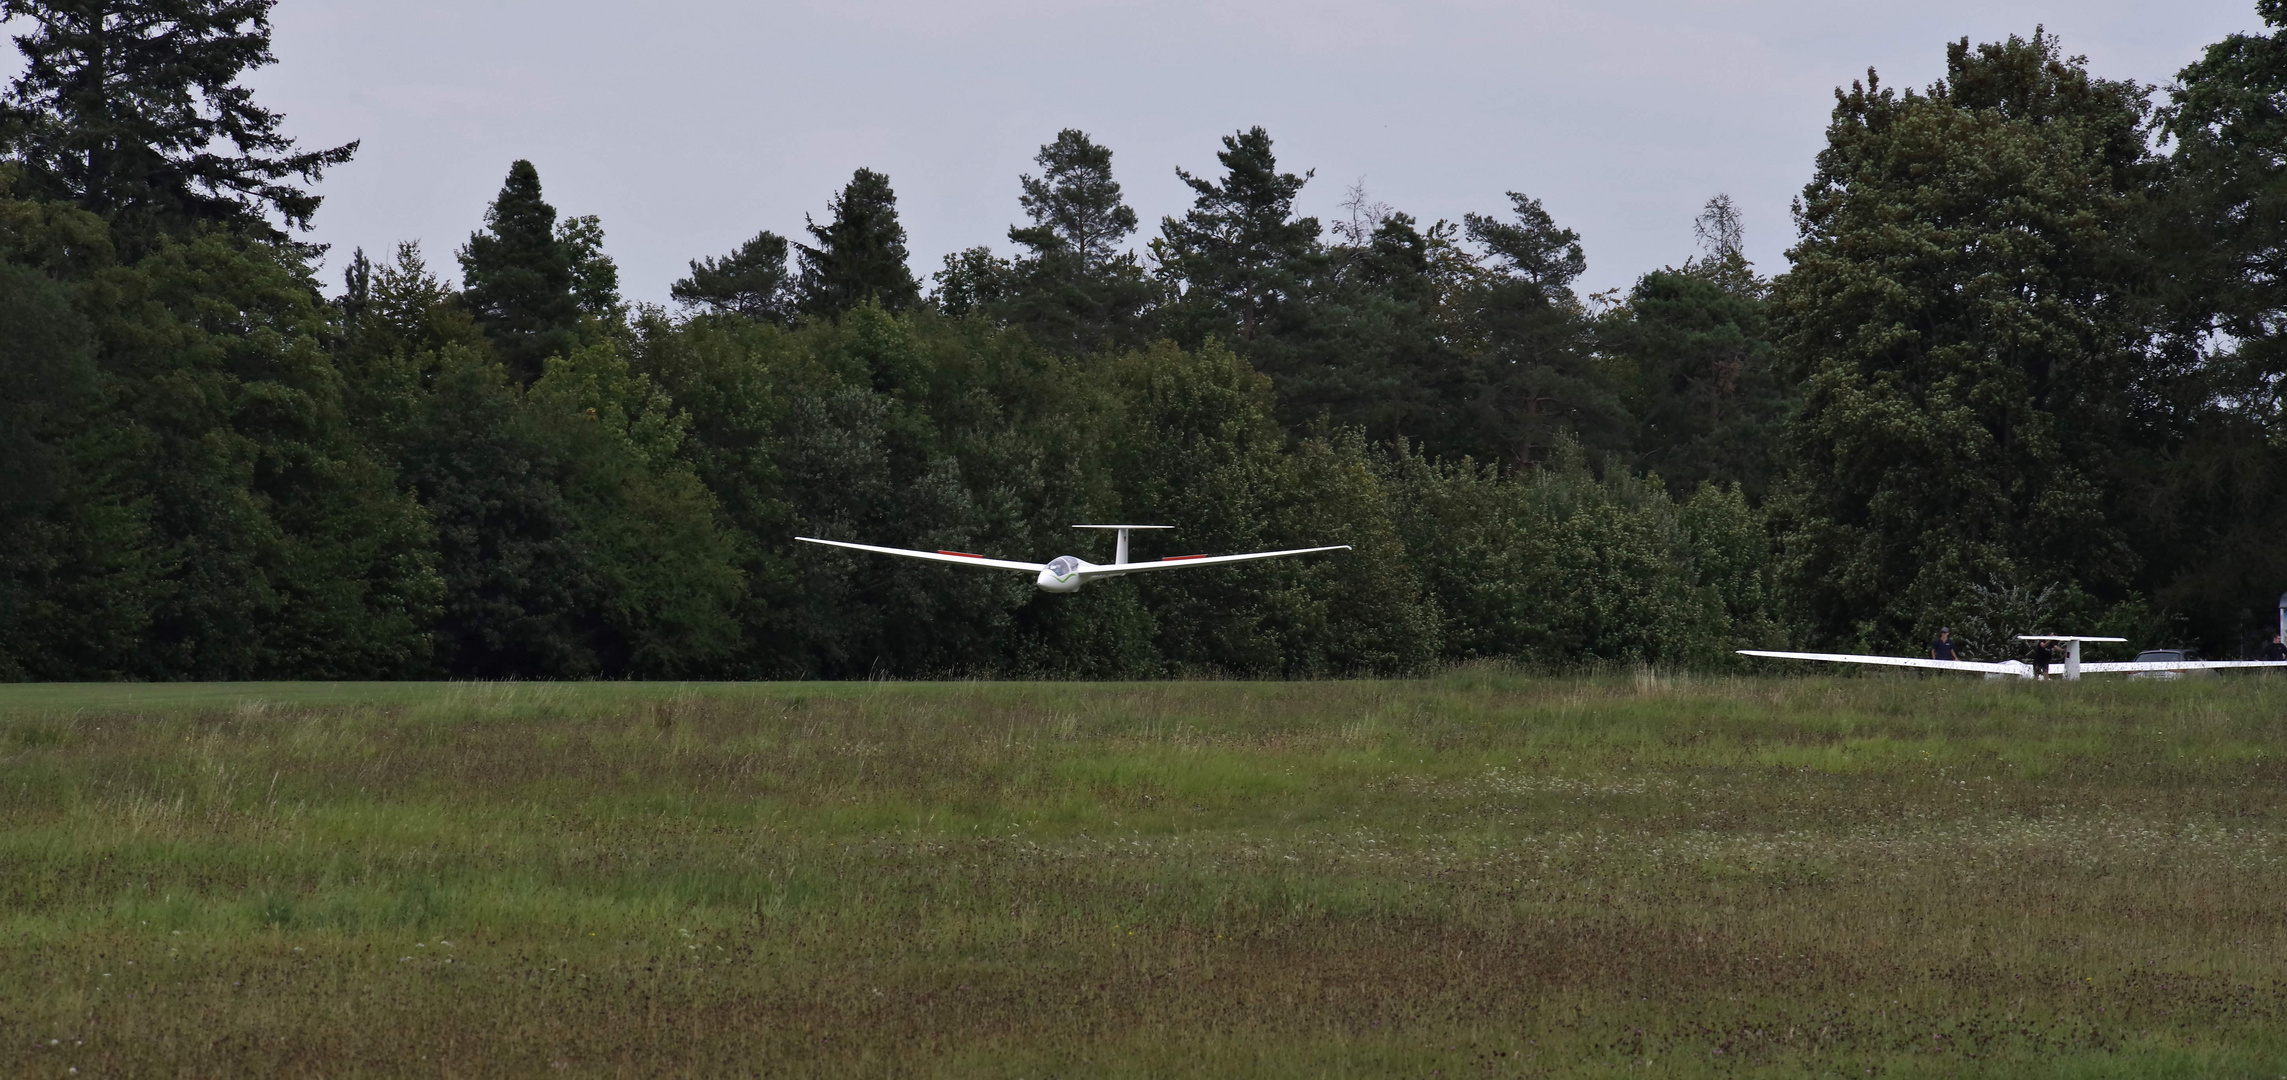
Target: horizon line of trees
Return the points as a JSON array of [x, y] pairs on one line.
[[2021, 373]]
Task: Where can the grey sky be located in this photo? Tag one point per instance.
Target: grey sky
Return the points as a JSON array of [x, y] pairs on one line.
[[690, 124]]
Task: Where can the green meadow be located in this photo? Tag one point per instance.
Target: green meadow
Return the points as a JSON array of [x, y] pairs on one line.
[[1480, 874]]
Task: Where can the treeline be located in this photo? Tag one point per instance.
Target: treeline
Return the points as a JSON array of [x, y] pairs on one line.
[[2021, 373]]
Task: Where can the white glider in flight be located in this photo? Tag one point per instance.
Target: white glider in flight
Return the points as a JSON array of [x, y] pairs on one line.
[[2073, 667], [1066, 573]]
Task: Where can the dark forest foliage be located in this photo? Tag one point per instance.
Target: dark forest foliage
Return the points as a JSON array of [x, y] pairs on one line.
[[2022, 371]]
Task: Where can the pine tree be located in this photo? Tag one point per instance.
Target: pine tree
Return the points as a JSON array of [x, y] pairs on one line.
[[860, 257], [1075, 289], [1533, 384], [133, 109], [1075, 205], [751, 282], [1532, 250], [520, 278], [1241, 257]]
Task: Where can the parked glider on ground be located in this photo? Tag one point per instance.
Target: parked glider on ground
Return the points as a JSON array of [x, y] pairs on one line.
[[2073, 667], [1066, 573]]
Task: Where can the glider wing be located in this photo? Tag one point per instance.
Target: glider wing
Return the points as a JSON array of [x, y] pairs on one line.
[[1181, 561], [2179, 665], [2001, 667], [954, 557]]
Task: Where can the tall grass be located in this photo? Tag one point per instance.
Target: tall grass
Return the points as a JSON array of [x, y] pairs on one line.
[[1474, 874]]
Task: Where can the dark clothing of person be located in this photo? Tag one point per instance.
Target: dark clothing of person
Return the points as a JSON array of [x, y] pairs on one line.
[[2043, 656], [2275, 652], [1941, 649]]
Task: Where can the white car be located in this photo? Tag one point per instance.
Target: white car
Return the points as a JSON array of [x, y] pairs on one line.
[[2167, 656]]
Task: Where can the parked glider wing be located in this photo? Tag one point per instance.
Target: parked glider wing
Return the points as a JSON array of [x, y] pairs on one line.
[[1999, 667], [954, 557], [1181, 561], [2179, 665]]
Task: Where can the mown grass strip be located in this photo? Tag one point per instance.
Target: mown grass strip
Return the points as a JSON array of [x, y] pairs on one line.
[[1508, 875]]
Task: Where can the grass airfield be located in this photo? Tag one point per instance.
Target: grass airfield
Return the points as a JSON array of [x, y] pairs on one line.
[[1472, 875]]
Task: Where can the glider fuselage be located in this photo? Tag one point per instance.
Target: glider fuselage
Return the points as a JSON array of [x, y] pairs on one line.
[[1062, 574]]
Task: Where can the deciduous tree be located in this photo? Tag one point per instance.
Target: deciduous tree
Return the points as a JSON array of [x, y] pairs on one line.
[[1966, 317]]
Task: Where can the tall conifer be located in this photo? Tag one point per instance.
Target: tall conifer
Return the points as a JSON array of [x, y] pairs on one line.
[[860, 257], [1074, 288], [518, 277], [1533, 386], [1075, 204], [751, 281], [1241, 256], [133, 109]]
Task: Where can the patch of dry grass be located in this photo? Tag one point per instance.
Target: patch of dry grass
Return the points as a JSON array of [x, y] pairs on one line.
[[1473, 875]]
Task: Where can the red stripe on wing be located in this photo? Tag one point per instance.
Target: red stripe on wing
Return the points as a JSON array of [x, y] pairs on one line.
[[963, 554], [1180, 558]]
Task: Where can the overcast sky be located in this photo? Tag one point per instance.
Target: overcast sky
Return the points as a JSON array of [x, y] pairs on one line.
[[688, 125]]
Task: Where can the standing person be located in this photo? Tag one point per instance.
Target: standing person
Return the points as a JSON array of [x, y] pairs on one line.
[[1942, 648], [2044, 654], [2276, 651]]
